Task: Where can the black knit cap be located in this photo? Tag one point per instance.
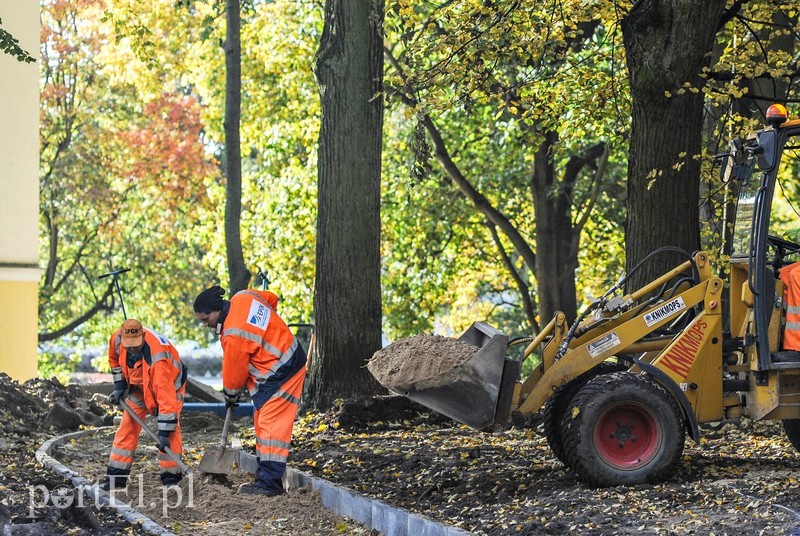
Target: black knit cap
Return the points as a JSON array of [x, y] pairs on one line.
[[210, 300]]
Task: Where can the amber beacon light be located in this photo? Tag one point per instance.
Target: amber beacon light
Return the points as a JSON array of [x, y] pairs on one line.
[[777, 114]]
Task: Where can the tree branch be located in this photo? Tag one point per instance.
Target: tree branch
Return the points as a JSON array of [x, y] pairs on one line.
[[597, 180], [730, 13], [441, 65], [96, 308], [458, 178], [756, 38], [477, 198], [524, 290]]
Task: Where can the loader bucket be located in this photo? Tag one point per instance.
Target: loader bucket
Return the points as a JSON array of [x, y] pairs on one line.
[[470, 392]]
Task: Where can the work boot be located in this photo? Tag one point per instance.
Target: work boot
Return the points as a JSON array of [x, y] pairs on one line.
[[255, 489], [170, 479], [111, 483]]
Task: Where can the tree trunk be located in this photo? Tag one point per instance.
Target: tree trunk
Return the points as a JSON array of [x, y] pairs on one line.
[[555, 263], [667, 44], [237, 271], [347, 296]]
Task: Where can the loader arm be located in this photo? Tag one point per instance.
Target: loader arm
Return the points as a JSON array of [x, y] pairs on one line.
[[615, 338], [553, 335]]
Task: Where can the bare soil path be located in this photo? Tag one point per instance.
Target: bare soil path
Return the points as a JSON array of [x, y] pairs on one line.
[[203, 504]]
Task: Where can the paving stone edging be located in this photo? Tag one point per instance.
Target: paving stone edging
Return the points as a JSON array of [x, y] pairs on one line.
[[101, 498], [375, 514]]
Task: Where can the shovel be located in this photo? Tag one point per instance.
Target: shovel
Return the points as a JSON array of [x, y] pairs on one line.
[[220, 460], [174, 457]]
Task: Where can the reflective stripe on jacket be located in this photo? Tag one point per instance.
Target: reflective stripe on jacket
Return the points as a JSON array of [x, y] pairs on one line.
[[259, 350]]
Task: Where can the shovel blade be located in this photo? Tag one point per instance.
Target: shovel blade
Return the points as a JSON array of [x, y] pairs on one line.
[[219, 461]]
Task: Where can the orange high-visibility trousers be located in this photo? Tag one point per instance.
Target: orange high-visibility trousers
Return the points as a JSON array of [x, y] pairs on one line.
[[275, 420], [790, 275], [126, 439]]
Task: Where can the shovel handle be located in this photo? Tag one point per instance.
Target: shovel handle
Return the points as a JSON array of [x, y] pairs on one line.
[[152, 434], [225, 426]]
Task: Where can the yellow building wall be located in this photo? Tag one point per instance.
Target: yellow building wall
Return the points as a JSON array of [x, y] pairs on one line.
[[19, 330], [19, 202]]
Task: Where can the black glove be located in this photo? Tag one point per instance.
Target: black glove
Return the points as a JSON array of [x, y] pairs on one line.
[[231, 399], [163, 440], [120, 390], [115, 397]]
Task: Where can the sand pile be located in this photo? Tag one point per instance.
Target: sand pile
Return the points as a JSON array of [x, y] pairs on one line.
[[418, 358]]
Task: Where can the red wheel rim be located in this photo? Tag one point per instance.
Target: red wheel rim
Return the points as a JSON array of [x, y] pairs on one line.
[[627, 435]]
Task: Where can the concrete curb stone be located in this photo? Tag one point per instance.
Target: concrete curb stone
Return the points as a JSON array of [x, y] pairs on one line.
[[374, 514], [101, 498]]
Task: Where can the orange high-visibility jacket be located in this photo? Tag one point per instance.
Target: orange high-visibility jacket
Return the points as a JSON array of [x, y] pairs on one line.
[[790, 275], [259, 349], [161, 379]]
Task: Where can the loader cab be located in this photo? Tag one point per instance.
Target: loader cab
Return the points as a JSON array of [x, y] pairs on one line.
[[765, 168]]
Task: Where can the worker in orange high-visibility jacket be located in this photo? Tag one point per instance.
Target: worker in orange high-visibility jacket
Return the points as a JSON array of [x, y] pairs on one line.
[[148, 373], [790, 275], [262, 355]]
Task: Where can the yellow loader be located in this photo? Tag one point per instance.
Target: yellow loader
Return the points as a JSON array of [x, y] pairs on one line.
[[621, 387]]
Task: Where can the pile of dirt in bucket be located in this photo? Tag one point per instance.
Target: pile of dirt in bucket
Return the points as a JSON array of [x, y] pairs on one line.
[[418, 358]]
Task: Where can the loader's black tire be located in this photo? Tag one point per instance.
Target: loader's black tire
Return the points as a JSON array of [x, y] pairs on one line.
[[792, 429], [556, 405], [623, 429]]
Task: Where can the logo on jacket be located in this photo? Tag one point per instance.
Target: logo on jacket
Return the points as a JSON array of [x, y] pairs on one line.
[[162, 339], [258, 315]]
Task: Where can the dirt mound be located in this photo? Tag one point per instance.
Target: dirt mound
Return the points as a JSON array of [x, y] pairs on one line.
[[25, 408], [19, 412], [196, 421], [382, 412], [418, 358], [34, 500]]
